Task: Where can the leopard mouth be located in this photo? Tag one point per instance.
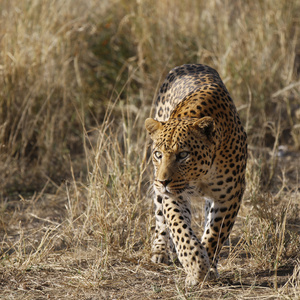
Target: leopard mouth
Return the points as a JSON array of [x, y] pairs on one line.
[[166, 190], [173, 191]]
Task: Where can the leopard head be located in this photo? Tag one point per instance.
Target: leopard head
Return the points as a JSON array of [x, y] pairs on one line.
[[183, 152]]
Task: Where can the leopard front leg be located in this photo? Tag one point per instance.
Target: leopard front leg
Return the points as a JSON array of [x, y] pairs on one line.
[[190, 251], [219, 220], [161, 238]]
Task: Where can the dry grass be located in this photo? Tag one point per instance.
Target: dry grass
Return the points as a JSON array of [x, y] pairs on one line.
[[77, 81]]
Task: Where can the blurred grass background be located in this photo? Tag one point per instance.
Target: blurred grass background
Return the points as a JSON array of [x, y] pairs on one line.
[[63, 62]]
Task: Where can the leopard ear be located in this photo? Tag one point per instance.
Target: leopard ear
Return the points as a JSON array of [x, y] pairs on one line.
[[152, 126], [205, 126]]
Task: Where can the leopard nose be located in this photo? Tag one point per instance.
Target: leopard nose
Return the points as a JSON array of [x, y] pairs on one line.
[[165, 182]]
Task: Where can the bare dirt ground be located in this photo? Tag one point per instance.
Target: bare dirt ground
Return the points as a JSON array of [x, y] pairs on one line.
[[62, 276], [131, 279], [39, 261]]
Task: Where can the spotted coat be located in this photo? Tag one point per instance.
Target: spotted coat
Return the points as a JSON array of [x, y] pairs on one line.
[[199, 151]]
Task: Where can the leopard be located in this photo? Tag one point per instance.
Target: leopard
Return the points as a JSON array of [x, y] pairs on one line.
[[199, 153]]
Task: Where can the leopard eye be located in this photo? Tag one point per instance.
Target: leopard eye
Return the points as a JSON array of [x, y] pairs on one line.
[[157, 154], [182, 155]]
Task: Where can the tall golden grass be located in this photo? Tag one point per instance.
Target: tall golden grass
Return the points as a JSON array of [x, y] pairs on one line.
[[77, 80]]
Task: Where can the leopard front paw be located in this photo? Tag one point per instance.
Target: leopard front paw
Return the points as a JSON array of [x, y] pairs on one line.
[[160, 258], [213, 274], [194, 279], [191, 281]]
